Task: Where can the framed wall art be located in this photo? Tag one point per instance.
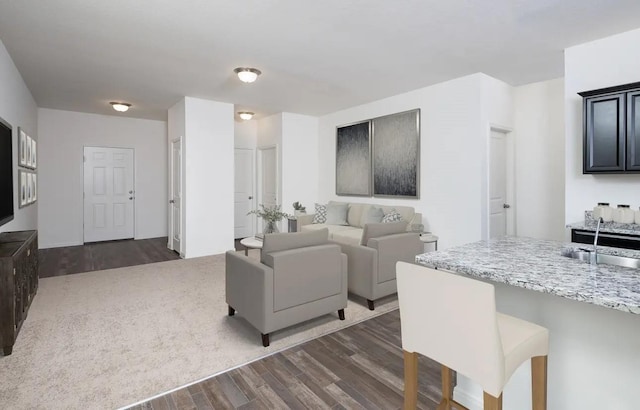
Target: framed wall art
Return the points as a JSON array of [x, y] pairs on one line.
[[396, 154], [28, 183], [28, 152], [22, 147], [353, 159], [34, 161], [23, 188]]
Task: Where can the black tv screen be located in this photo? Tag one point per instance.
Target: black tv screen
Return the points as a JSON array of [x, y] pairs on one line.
[[6, 174]]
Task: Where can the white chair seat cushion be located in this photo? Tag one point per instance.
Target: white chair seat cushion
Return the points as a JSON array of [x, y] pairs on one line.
[[521, 340]]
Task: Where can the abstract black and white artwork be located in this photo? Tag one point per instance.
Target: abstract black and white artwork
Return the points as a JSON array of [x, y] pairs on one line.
[[353, 159], [396, 154]]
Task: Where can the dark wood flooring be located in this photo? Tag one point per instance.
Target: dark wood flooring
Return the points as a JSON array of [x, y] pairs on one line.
[[360, 367], [103, 255]]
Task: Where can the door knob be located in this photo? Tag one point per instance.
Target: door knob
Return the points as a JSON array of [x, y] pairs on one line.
[[130, 198], [131, 192], [171, 201], [506, 206], [250, 197]]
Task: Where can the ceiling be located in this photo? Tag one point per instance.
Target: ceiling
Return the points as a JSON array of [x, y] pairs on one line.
[[316, 57]]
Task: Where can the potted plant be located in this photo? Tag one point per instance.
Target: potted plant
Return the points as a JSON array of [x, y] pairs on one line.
[[271, 215], [298, 208]]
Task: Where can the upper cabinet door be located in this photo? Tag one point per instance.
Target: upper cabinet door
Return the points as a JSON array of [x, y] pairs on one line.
[[633, 131], [604, 134]]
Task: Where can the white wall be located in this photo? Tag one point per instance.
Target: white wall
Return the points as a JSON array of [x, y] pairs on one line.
[[18, 109], [540, 144], [246, 134], [270, 134], [63, 136], [299, 161], [453, 143], [602, 63], [209, 187]]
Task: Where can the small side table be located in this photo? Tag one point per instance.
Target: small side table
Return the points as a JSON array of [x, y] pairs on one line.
[[428, 237], [250, 243]]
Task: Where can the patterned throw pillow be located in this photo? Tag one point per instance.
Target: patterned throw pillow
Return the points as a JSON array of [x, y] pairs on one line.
[[392, 216], [320, 216]]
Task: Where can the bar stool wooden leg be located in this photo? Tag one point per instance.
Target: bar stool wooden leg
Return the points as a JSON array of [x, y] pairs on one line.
[[539, 382], [447, 391], [410, 380], [492, 403]]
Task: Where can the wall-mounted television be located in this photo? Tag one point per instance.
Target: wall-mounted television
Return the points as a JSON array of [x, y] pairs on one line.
[[6, 173]]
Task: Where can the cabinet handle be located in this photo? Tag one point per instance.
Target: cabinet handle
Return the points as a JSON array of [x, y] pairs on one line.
[[28, 252]]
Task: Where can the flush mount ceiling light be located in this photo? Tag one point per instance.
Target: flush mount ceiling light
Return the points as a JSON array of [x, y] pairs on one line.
[[247, 74], [120, 106], [245, 115]]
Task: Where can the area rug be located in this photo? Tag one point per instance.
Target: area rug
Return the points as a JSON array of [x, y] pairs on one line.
[[108, 339]]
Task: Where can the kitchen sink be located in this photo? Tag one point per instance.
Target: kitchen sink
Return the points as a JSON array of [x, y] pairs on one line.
[[585, 255]]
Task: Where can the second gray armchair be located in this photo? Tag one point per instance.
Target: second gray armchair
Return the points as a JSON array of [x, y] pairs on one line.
[[372, 264]]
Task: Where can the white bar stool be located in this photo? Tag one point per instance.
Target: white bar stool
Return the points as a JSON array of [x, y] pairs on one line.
[[453, 320]]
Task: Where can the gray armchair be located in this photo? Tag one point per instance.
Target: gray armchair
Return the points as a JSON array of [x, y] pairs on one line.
[[372, 264], [300, 276]]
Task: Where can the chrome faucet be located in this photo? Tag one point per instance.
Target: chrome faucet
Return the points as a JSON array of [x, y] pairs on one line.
[[594, 255]]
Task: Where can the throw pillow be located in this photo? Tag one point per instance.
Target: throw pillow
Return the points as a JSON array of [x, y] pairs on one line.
[[382, 229], [337, 214], [392, 216], [320, 215], [373, 215]]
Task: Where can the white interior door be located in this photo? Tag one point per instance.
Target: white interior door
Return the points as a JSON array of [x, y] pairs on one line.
[[243, 181], [498, 205], [268, 177], [175, 202], [109, 197]]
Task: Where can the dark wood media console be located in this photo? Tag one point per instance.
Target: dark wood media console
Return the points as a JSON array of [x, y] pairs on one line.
[[18, 282]]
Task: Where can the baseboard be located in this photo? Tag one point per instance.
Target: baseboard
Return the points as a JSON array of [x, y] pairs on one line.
[[471, 401], [58, 245]]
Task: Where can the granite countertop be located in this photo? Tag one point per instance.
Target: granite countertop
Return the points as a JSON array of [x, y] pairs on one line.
[[590, 224], [539, 265]]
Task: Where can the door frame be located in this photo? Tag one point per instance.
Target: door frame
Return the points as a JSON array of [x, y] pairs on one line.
[[170, 191], [510, 157], [259, 191], [135, 187]]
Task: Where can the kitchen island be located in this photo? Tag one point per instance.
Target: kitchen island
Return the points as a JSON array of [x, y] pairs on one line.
[[591, 311]]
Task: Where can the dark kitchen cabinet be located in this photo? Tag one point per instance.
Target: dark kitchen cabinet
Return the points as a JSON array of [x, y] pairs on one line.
[[611, 130], [633, 131]]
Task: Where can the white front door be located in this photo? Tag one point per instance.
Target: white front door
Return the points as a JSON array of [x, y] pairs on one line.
[[175, 202], [498, 185], [243, 181], [268, 178], [109, 197]]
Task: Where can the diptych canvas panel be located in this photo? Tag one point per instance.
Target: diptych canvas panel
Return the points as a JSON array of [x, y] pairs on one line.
[[353, 160]]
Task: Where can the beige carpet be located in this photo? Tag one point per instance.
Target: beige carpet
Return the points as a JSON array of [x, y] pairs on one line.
[[107, 339]]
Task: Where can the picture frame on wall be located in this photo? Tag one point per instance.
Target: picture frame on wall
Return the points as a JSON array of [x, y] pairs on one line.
[[34, 188], [22, 147], [29, 188], [28, 152], [353, 159], [34, 155], [396, 155], [22, 183]]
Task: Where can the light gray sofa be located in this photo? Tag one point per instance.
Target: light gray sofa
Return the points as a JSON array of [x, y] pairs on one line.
[[300, 276], [372, 249], [351, 233]]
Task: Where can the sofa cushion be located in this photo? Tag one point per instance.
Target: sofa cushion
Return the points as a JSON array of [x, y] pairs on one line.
[[355, 214], [393, 216], [407, 212], [282, 241], [347, 236], [337, 213], [373, 215], [382, 229], [320, 215]]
